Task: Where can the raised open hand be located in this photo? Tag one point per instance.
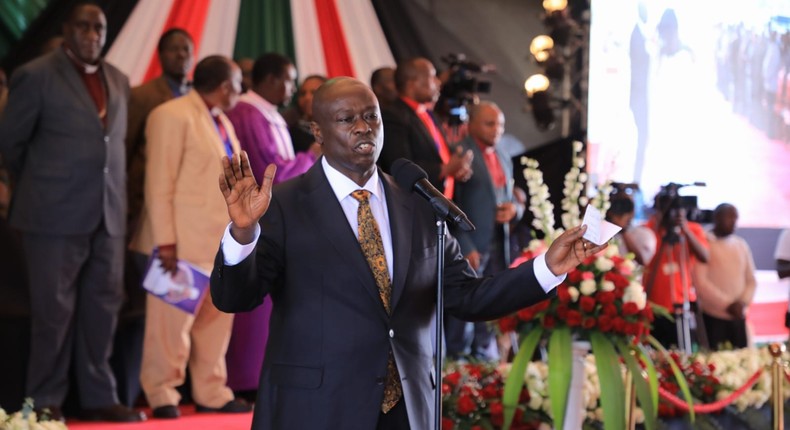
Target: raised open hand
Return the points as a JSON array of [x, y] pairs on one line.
[[247, 202], [569, 250]]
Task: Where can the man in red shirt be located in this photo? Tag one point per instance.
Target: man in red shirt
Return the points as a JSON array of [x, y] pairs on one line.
[[487, 198], [411, 132], [680, 244]]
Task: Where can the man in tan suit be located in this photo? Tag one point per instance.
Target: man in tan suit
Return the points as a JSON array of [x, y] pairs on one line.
[[176, 57], [184, 218]]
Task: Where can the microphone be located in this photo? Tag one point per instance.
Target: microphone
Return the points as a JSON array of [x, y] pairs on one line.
[[411, 177]]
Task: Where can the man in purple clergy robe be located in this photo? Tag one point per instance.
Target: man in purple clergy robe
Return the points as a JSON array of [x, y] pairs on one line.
[[263, 133], [261, 129]]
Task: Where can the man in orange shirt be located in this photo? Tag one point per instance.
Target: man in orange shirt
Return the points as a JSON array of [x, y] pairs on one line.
[[667, 277]]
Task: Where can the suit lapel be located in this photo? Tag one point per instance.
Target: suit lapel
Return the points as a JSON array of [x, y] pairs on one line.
[[206, 123], [72, 78], [162, 90], [507, 168], [480, 166], [330, 220], [113, 92], [399, 206]]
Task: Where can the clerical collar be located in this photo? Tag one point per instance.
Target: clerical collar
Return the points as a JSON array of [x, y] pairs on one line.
[[89, 69]]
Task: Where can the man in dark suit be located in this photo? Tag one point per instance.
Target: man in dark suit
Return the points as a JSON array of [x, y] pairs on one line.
[[413, 133], [176, 56], [487, 199], [350, 346], [63, 136]]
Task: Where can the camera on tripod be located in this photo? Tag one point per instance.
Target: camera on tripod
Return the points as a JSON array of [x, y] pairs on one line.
[[671, 205], [461, 87]]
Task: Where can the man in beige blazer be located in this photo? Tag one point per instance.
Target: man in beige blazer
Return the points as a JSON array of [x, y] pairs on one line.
[[184, 217], [176, 57]]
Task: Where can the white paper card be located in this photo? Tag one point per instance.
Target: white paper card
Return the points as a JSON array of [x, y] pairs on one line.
[[599, 230]]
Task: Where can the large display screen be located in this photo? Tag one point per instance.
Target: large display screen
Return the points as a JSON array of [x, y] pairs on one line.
[[694, 91]]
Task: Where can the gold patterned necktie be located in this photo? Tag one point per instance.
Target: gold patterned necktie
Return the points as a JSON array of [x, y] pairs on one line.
[[373, 248]]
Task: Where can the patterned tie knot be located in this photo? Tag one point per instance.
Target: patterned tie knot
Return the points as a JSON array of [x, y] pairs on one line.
[[362, 196]]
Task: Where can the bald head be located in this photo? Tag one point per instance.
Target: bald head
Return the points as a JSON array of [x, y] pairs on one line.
[[725, 218], [347, 124], [333, 89], [486, 122]]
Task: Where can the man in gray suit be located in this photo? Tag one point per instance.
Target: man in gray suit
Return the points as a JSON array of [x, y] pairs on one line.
[[63, 139], [487, 198]]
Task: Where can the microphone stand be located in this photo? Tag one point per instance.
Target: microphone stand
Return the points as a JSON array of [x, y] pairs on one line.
[[441, 228]]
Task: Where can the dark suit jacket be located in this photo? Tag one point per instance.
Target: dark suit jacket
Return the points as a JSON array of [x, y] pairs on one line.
[[70, 171], [477, 198], [142, 101], [329, 333], [405, 136]]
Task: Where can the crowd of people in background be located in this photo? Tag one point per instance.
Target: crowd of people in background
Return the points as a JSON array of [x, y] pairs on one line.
[[104, 175], [752, 70]]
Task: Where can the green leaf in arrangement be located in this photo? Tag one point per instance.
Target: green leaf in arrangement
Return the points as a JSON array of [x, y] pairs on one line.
[[679, 377], [652, 375], [612, 389], [560, 364], [641, 385], [515, 379]]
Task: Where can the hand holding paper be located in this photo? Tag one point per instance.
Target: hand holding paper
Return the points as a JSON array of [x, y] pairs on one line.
[[599, 231]]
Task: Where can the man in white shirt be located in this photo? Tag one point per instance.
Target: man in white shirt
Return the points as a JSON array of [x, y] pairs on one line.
[[725, 284], [332, 345]]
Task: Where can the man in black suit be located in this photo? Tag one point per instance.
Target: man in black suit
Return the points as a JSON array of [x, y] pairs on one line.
[[487, 199], [63, 138], [336, 335], [412, 131]]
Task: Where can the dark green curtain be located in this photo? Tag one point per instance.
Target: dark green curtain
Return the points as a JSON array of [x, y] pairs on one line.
[[15, 18], [264, 26]]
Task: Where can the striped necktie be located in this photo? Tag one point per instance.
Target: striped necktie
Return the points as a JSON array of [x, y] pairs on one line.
[[373, 248]]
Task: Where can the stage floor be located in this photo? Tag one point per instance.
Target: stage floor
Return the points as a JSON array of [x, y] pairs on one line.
[[189, 420]]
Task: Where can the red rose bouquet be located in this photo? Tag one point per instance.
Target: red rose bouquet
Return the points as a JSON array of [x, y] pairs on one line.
[[600, 295], [600, 302], [472, 399]]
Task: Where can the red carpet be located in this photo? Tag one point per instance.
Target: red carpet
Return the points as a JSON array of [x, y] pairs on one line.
[[768, 321], [189, 421]]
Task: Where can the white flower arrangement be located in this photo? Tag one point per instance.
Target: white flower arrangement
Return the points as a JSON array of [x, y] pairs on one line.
[[26, 419], [573, 184]]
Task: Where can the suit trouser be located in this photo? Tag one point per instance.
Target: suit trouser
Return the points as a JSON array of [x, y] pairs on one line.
[[173, 339], [75, 295]]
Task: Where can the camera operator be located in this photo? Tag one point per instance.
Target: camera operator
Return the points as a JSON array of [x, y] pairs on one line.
[[680, 243], [460, 89]]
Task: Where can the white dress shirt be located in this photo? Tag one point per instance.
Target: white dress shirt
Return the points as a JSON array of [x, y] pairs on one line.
[[342, 186]]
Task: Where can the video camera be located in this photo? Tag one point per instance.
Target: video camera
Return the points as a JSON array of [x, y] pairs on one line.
[[668, 201], [462, 86]]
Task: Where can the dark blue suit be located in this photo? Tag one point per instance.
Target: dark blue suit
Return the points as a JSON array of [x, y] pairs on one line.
[[329, 334]]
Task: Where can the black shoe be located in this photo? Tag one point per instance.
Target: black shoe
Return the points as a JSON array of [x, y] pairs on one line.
[[166, 412], [114, 413], [49, 413], [235, 406]]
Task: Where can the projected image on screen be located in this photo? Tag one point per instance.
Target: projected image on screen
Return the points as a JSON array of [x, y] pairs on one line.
[[689, 92]]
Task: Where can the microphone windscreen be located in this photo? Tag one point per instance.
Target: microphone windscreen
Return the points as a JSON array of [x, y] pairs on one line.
[[406, 173]]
